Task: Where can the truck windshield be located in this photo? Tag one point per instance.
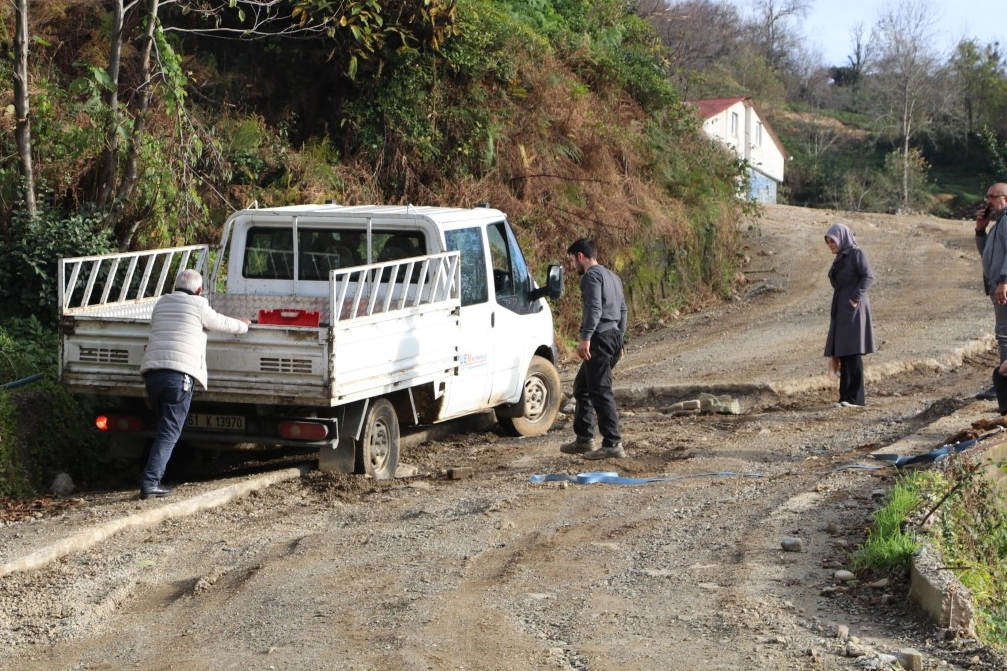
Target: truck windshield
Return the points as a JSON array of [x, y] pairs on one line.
[[270, 252]]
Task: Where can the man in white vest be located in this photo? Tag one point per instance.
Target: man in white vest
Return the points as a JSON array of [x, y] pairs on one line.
[[175, 356]]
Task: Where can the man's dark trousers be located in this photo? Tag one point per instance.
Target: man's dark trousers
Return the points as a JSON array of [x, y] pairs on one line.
[[592, 389], [1000, 382], [170, 394]]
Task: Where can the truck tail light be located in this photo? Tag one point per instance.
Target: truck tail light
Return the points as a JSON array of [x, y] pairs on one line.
[[118, 423], [303, 430]]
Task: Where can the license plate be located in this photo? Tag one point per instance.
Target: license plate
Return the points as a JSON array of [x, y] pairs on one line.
[[208, 422]]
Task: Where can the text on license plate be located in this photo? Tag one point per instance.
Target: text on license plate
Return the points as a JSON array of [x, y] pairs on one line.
[[210, 422]]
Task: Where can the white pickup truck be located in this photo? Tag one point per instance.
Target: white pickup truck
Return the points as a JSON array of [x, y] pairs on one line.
[[363, 319]]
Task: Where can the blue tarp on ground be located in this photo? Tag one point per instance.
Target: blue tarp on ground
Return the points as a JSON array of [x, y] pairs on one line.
[[613, 478]]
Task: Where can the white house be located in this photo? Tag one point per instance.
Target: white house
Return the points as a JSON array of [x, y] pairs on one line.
[[737, 123]]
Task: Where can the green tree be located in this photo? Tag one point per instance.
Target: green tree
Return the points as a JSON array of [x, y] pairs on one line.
[[370, 30], [980, 85]]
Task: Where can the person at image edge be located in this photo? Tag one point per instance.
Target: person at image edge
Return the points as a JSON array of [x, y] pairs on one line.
[[992, 245]]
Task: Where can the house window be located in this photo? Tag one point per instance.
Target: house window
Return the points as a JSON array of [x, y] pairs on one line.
[[758, 133], [734, 124]]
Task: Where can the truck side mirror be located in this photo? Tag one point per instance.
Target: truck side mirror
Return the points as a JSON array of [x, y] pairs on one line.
[[553, 288]]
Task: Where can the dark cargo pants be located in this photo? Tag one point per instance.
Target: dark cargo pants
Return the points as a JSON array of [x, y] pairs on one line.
[[592, 389]]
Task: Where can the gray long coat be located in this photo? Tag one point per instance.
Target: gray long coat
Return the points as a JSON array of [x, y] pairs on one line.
[[851, 330]]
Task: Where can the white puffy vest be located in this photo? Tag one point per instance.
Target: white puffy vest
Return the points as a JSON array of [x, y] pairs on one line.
[[178, 328]]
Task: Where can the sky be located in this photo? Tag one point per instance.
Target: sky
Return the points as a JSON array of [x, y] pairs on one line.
[[828, 24]]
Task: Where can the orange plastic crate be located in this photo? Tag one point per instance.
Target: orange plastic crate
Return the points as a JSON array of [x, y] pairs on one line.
[[283, 317]]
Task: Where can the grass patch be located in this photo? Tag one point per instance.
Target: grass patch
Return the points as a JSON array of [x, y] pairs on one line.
[[890, 541], [959, 509]]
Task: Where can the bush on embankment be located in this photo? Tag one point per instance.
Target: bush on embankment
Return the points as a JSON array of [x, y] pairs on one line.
[[43, 429]]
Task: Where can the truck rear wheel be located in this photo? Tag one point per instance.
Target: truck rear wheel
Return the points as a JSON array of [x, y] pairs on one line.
[[542, 396], [377, 452]]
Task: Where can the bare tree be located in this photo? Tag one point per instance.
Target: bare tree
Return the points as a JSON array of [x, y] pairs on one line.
[[22, 129], [145, 91], [696, 32], [106, 175], [907, 63], [772, 32], [263, 14], [861, 56], [806, 78]]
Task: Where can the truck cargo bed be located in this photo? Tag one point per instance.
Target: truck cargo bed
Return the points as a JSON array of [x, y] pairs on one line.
[[383, 327]]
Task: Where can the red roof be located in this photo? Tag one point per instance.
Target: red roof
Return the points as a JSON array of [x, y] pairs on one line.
[[709, 107]]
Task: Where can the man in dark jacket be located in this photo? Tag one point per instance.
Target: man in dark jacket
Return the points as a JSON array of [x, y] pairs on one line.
[[992, 246], [602, 330]]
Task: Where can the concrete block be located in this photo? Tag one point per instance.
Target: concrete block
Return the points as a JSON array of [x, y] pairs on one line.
[[909, 659], [460, 473], [940, 593], [721, 404], [406, 471]]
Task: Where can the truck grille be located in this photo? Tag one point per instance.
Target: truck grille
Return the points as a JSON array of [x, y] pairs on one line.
[[269, 364], [103, 355]]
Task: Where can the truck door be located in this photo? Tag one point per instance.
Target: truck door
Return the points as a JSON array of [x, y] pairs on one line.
[[513, 331], [471, 389]]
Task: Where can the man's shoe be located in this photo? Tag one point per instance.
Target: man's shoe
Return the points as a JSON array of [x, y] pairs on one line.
[[847, 404], [610, 452], [155, 492], [579, 446], [990, 393]]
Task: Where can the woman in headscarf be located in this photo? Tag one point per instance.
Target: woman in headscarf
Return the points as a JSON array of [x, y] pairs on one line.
[[851, 333]]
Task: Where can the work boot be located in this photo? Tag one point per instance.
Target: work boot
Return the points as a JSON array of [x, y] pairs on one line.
[[578, 446], [990, 393], [606, 452], [155, 492]]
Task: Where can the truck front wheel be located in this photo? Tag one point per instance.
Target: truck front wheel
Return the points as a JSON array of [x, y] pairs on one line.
[[377, 452], [542, 396]]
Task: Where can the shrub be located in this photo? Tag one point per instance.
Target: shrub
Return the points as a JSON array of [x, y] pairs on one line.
[[45, 431], [972, 533], [13, 481], [27, 347], [29, 259]]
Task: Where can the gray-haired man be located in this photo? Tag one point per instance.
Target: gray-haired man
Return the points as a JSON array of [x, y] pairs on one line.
[[175, 356]]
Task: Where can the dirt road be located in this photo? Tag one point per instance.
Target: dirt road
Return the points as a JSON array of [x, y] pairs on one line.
[[495, 572]]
